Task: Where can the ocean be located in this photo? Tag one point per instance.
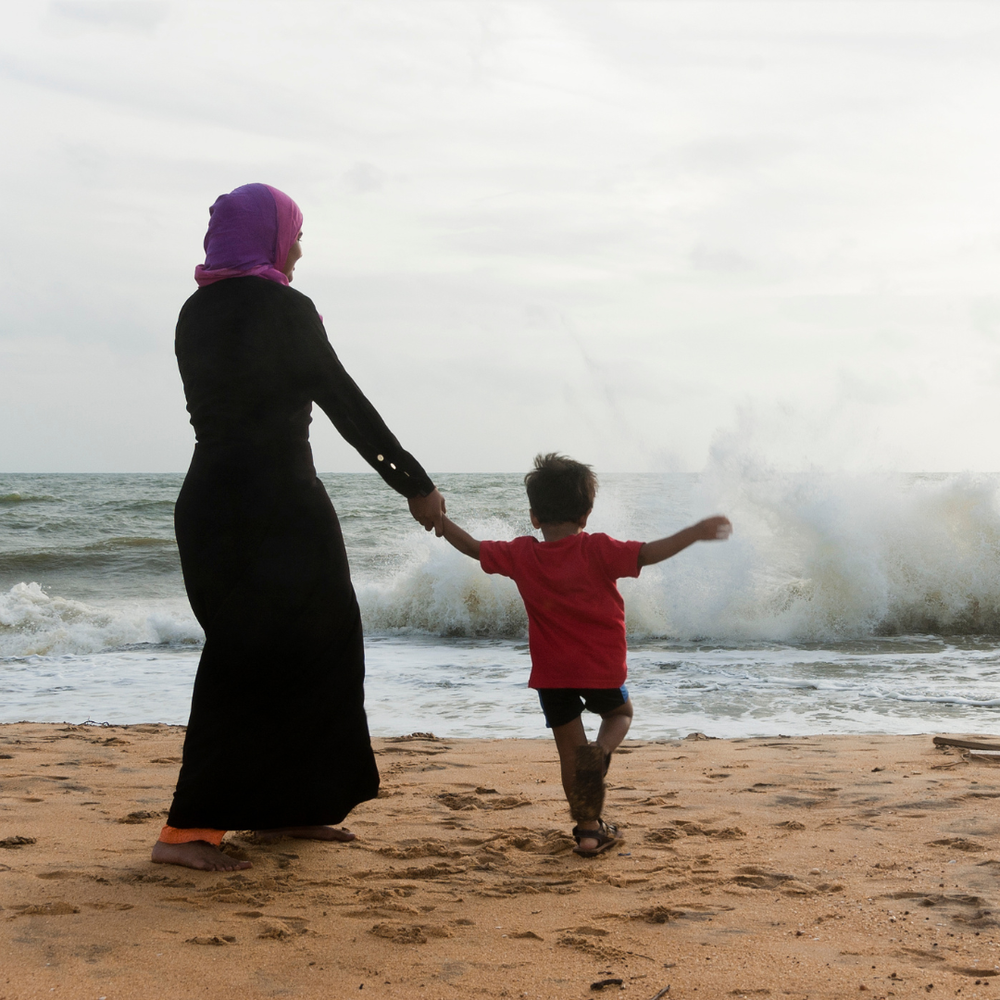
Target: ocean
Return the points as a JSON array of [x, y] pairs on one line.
[[842, 604]]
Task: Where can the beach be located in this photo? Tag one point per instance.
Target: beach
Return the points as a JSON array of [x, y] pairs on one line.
[[754, 865], [807, 867]]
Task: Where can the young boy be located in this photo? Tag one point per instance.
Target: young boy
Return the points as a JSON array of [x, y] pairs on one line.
[[576, 623]]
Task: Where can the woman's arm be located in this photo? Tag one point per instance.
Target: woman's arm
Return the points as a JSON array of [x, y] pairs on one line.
[[362, 427], [711, 529], [358, 422]]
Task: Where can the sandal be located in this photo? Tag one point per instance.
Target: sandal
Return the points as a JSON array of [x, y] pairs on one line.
[[606, 836]]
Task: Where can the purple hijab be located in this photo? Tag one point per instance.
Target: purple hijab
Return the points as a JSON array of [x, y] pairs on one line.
[[250, 231]]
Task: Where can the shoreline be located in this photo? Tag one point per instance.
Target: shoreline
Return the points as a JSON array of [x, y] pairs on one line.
[[815, 866]]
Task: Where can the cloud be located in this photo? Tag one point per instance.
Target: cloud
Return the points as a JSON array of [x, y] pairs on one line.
[[729, 204], [132, 15], [363, 178]]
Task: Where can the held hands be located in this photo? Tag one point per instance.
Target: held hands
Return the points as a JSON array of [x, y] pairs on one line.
[[713, 529], [429, 511]]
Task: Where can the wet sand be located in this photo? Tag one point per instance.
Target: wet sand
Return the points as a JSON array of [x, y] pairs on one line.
[[807, 867]]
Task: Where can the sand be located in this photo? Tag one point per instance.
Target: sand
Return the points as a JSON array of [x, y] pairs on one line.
[[811, 867]]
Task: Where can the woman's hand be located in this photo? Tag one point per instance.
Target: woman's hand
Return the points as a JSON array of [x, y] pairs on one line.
[[429, 511]]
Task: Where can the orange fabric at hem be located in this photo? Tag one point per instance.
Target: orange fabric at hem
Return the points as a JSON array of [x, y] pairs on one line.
[[174, 835]]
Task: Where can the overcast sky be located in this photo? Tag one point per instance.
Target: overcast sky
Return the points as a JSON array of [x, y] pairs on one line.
[[620, 230]]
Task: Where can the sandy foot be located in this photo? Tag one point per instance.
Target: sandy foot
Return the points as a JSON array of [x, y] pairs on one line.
[[197, 854]]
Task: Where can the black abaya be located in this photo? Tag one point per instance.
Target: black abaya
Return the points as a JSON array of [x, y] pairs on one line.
[[278, 734]]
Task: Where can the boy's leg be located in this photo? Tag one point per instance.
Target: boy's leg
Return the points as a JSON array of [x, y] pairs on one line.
[[577, 761], [614, 727], [568, 737], [571, 741]]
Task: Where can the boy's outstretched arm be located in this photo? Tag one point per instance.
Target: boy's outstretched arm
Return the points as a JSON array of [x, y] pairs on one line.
[[712, 529], [460, 539]]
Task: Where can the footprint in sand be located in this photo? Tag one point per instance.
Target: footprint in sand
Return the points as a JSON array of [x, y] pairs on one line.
[[216, 939], [381, 895], [140, 816], [54, 909], [545, 842], [696, 830], [12, 843], [276, 930], [664, 836], [399, 933], [458, 801], [387, 909], [659, 800], [440, 870], [420, 849], [981, 915], [653, 915], [958, 844], [282, 928], [605, 952], [408, 933], [727, 833], [752, 877]]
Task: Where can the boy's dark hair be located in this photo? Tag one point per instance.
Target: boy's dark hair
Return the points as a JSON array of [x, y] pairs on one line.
[[560, 489]]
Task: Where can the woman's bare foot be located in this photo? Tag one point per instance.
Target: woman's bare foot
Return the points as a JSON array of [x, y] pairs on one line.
[[197, 854], [308, 833]]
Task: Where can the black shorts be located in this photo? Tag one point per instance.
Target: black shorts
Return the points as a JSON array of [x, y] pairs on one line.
[[562, 705]]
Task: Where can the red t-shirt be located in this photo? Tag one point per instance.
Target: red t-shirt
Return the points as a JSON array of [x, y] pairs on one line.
[[576, 616]]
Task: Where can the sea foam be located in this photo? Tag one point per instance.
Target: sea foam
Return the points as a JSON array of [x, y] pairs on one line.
[[812, 558], [33, 623], [818, 557]]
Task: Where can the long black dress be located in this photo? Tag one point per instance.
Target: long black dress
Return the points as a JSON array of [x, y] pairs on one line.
[[278, 734]]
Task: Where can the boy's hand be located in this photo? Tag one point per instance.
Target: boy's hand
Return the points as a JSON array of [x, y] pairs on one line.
[[714, 529], [429, 511]]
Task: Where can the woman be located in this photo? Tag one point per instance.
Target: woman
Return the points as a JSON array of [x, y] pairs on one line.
[[278, 739]]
